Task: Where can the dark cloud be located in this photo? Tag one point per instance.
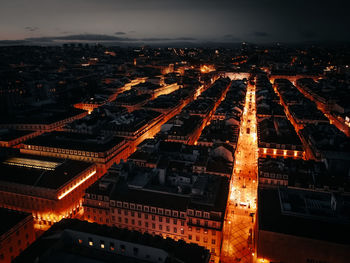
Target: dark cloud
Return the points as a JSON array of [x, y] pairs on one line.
[[13, 42], [231, 37], [120, 33], [104, 38], [31, 28], [260, 34], [81, 37], [308, 34]]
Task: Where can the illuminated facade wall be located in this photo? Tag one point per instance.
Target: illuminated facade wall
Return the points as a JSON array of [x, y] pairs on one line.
[[266, 150], [16, 239], [103, 160], [43, 127], [201, 227], [46, 204]]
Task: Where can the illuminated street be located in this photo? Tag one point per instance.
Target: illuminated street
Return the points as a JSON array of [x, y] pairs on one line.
[[241, 207]]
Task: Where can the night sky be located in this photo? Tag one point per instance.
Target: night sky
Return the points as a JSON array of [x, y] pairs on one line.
[[258, 21]]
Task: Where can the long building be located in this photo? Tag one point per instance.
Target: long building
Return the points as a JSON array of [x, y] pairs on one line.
[[48, 188], [143, 199], [79, 241], [16, 233], [103, 150]]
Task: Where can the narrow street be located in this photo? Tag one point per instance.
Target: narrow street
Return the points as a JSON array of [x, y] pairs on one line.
[[238, 228]]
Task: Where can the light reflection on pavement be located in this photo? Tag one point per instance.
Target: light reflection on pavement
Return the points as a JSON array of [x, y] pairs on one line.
[[238, 228]]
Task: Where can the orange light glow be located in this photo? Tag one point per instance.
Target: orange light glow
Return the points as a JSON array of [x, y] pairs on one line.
[[284, 152], [265, 151], [77, 185], [207, 68], [274, 151], [295, 153]]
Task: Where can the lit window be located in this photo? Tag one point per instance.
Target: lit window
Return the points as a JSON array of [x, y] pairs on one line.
[[102, 244], [91, 243]]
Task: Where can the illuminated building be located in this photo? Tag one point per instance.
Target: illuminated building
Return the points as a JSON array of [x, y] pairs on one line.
[[277, 137], [103, 150], [16, 233], [11, 138], [49, 188], [302, 226], [297, 173], [83, 241], [37, 120], [129, 199]]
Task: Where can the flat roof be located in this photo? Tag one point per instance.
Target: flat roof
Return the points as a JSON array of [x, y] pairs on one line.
[[40, 171], [304, 213], [40, 116], [10, 218], [9, 134], [74, 141]]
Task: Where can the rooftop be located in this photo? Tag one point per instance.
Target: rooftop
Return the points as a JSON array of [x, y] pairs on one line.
[[308, 214], [53, 240], [10, 218], [75, 141], [38, 171]]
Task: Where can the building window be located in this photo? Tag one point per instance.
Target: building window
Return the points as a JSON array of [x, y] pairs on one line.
[[122, 248], [167, 228], [153, 217], [189, 228], [136, 251], [213, 241], [140, 223], [160, 227], [175, 230], [126, 212], [213, 232], [190, 237], [146, 216], [126, 220], [139, 215], [160, 219], [167, 220], [146, 208], [160, 211], [175, 221], [125, 205], [111, 246], [206, 215], [167, 212], [139, 207], [91, 243], [205, 240], [102, 244], [197, 238], [132, 213], [175, 213], [153, 226], [190, 212], [132, 206]]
